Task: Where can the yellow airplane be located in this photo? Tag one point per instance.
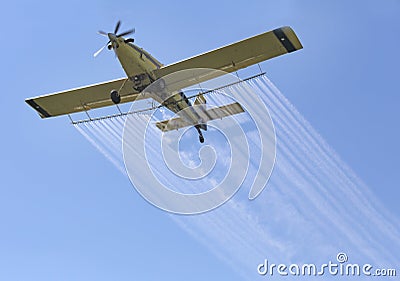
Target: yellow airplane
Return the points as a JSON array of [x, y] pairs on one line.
[[142, 70]]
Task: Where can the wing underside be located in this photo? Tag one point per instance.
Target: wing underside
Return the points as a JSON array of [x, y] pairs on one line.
[[83, 99], [233, 57]]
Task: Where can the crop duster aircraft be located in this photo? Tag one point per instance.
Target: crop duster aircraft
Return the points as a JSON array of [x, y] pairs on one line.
[[142, 70]]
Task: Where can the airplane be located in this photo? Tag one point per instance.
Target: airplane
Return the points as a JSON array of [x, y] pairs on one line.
[[144, 72]]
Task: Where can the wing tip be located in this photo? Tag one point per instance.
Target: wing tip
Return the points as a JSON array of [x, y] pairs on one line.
[[42, 112], [288, 38]]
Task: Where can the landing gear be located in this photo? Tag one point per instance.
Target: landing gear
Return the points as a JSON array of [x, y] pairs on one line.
[[141, 81], [201, 137], [115, 97]]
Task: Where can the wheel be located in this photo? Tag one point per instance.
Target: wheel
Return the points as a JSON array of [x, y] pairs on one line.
[[115, 97]]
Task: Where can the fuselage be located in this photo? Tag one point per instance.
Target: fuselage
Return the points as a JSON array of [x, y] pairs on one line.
[[138, 65]]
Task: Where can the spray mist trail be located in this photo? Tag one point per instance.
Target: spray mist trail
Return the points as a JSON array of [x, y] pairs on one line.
[[106, 136], [314, 206]]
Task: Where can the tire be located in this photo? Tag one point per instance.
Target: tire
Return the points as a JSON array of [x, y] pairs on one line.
[[115, 97]]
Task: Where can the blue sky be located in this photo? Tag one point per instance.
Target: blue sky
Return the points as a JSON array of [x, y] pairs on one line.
[[67, 214]]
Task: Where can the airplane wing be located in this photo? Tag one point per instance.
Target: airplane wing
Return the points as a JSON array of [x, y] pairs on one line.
[[205, 115], [226, 59], [234, 56], [84, 98]]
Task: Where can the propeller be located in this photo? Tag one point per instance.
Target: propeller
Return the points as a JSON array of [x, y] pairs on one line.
[[99, 51], [116, 35]]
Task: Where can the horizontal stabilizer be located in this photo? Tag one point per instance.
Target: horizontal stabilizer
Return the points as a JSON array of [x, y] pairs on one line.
[[205, 116], [172, 124], [224, 111]]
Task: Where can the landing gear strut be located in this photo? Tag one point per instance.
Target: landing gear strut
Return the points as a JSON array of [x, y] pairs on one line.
[[201, 137]]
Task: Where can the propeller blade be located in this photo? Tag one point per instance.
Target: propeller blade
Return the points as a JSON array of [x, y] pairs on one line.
[[101, 32], [99, 51], [117, 27], [126, 33]]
